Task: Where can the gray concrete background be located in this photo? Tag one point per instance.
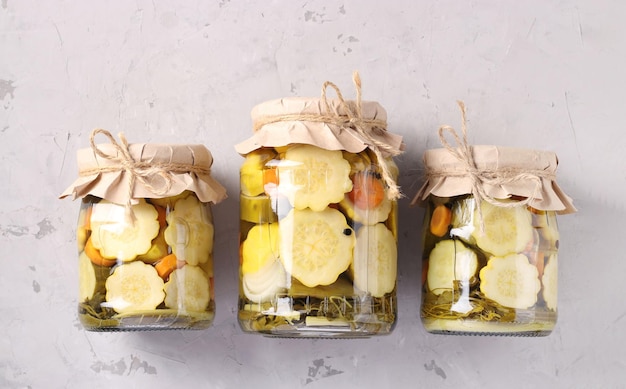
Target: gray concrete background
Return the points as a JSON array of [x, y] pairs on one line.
[[534, 74]]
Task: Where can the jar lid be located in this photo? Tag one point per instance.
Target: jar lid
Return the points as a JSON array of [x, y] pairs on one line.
[[303, 120], [492, 173], [501, 172], [125, 172]]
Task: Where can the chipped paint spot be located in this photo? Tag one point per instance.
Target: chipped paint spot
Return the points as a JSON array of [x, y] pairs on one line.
[[13, 230], [118, 367], [36, 286], [6, 89], [45, 228], [137, 364], [315, 17], [433, 367], [320, 370]]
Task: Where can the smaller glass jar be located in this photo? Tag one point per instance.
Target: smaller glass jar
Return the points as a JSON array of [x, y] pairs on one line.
[[318, 228], [490, 241], [145, 262]]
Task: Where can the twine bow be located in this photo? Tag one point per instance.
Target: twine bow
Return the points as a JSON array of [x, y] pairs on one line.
[[137, 170], [482, 177], [351, 119]]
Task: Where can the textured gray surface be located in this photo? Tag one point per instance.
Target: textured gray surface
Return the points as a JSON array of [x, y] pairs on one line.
[[533, 74]]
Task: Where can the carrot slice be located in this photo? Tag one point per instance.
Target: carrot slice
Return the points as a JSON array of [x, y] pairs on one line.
[[95, 255], [367, 191], [440, 220], [270, 176], [167, 265]]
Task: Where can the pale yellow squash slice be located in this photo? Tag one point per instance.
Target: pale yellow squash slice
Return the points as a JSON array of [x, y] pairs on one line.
[[188, 289], [511, 281], [450, 260], [190, 232], [134, 287], [316, 247], [508, 230], [312, 177], [374, 268], [118, 238], [549, 281]]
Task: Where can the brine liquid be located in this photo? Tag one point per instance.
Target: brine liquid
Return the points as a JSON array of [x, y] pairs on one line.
[[97, 314], [273, 299], [464, 308]]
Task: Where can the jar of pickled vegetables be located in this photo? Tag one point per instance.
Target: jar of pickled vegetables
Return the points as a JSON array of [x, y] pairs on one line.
[[490, 248], [145, 236], [318, 230]]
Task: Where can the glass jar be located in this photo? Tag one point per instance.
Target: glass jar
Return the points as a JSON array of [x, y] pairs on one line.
[[145, 263], [318, 232], [490, 241]]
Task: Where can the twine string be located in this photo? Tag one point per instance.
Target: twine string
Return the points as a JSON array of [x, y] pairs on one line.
[[480, 178], [137, 170]]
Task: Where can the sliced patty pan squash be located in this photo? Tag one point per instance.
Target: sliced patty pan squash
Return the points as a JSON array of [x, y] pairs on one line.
[[316, 247], [117, 238], [313, 177]]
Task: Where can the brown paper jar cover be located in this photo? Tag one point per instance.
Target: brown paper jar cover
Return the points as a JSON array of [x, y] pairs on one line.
[[327, 134], [107, 178], [506, 172]]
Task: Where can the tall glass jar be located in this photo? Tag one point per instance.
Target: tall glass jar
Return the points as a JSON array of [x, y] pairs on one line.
[[318, 228], [490, 241], [145, 261]]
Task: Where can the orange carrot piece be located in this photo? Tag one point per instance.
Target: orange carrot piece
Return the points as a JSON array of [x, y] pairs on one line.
[[167, 265], [270, 176], [367, 191], [440, 220], [95, 256]]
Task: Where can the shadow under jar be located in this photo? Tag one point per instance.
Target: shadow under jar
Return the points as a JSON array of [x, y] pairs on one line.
[[145, 262], [490, 254], [318, 229]]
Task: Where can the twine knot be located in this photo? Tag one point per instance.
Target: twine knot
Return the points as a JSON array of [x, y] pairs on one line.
[[145, 172], [482, 177]]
